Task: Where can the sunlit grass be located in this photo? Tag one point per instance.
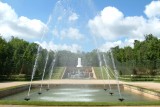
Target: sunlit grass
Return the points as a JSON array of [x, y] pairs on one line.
[[58, 72], [45, 103], [99, 73]]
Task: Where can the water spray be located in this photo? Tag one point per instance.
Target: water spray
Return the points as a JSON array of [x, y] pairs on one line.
[[108, 76], [36, 60], [33, 73], [51, 71], [44, 70], [116, 74], [100, 63]]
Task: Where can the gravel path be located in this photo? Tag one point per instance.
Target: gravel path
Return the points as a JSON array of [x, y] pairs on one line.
[[149, 85], [10, 84]]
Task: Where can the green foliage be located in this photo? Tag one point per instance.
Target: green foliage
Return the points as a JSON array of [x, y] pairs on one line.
[[58, 72], [142, 59], [98, 73], [17, 57], [139, 78], [67, 58]]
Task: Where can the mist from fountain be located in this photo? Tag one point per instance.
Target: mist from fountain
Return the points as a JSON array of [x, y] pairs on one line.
[[108, 76], [100, 61], [52, 66], [36, 59], [33, 72], [100, 64], [54, 60], [116, 74], [44, 70]]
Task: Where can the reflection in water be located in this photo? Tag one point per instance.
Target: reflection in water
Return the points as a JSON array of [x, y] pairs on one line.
[[80, 99], [78, 94]]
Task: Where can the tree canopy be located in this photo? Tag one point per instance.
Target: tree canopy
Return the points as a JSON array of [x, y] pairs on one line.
[[17, 56], [145, 54]]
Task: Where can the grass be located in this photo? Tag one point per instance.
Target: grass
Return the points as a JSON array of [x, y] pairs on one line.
[[111, 73], [58, 72], [45, 103], [99, 74]]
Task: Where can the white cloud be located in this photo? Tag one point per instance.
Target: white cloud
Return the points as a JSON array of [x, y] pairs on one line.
[[56, 47], [71, 33], [153, 9], [106, 46], [23, 27], [113, 26], [73, 17]]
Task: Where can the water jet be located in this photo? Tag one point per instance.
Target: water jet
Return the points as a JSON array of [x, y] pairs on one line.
[[121, 99], [27, 98]]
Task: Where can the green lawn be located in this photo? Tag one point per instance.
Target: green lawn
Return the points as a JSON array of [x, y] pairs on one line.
[[99, 74], [45, 103], [58, 72], [111, 73]]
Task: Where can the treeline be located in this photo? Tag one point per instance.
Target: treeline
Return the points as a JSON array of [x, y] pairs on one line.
[[18, 56], [67, 58], [143, 58]]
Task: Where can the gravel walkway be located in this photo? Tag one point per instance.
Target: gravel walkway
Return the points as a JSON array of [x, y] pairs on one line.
[[149, 85]]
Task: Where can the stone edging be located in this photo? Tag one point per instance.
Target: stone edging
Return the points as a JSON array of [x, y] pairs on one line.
[[14, 90], [142, 91]]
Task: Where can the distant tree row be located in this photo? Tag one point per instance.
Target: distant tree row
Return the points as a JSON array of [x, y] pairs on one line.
[[67, 58], [143, 58], [17, 57]]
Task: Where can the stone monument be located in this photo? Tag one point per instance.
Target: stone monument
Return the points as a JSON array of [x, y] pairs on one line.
[[79, 62]]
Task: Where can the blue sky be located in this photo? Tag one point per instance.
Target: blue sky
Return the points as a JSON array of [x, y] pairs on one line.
[[74, 23]]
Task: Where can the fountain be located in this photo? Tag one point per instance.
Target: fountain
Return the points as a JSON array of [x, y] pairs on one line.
[[43, 73], [116, 74], [51, 71], [70, 92], [79, 63], [36, 60], [33, 73], [108, 76], [78, 72]]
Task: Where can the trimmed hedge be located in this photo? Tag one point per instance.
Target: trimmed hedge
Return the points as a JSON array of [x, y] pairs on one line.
[[157, 79], [21, 77], [139, 78]]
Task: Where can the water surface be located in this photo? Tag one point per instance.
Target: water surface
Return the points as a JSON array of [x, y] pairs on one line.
[[78, 94]]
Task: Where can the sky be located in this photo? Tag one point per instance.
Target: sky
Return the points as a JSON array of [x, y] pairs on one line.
[[80, 25]]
